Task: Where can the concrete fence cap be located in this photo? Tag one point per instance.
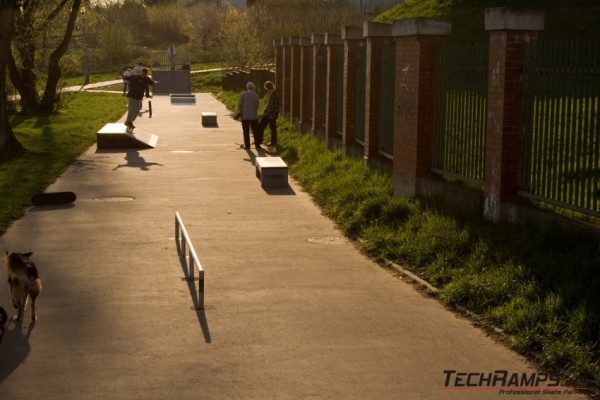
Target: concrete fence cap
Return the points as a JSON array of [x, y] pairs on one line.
[[502, 18]]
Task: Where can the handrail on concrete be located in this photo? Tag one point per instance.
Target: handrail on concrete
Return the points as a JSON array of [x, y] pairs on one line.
[[183, 242]]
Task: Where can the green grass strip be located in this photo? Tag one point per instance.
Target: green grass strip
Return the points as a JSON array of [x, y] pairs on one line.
[[539, 285], [53, 142]]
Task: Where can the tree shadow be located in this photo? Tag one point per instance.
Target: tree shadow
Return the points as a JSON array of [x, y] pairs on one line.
[[15, 348]]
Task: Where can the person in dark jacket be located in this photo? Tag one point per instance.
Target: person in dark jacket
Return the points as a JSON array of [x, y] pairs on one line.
[[137, 88], [271, 113]]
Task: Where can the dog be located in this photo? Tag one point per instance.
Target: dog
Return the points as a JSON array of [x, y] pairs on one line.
[[24, 283], [3, 322]]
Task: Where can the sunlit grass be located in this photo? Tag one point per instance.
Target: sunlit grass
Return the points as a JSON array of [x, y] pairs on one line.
[[539, 285], [52, 141]]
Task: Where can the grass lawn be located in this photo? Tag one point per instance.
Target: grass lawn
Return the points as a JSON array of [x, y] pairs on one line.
[[53, 142], [538, 285]]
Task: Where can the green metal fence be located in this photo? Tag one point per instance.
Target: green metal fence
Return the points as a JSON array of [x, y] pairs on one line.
[[386, 98], [308, 85], [361, 87], [339, 122], [460, 112], [561, 142]]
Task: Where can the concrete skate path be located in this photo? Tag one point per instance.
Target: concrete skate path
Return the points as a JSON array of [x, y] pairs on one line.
[[293, 311]]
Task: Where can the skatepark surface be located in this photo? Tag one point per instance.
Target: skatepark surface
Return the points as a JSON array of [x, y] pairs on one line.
[[292, 309]]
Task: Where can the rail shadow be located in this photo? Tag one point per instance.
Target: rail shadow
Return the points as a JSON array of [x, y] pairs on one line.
[[195, 295]]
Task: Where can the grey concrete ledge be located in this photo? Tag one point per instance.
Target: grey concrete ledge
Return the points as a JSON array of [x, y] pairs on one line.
[[298, 41], [421, 27], [503, 18], [317, 38], [304, 41], [352, 33], [333, 39], [376, 29]]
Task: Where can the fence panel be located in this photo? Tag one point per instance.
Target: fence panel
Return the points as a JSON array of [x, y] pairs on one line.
[[162, 61], [460, 114], [386, 98], [561, 141], [361, 87], [340, 91], [308, 85]]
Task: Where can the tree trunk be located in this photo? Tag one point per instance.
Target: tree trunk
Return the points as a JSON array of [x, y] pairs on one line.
[[50, 96], [8, 141], [23, 76]]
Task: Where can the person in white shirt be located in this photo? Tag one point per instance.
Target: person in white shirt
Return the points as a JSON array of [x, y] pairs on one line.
[[125, 81]]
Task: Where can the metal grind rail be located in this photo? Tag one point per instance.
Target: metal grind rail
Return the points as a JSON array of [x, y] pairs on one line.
[[184, 244]]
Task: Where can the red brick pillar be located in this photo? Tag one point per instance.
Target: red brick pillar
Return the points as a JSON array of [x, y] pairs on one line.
[[278, 44], [417, 42], [376, 35], [509, 32], [353, 39], [305, 119], [318, 92], [333, 43], [295, 73]]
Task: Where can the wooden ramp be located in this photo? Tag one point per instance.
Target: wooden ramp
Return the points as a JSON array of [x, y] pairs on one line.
[[115, 136]]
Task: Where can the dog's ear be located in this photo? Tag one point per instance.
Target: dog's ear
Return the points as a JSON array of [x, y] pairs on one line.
[[28, 254]]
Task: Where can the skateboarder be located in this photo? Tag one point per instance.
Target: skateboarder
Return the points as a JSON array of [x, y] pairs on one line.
[[137, 87]]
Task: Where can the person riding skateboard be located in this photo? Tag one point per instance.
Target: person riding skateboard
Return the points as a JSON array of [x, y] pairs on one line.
[[137, 88]]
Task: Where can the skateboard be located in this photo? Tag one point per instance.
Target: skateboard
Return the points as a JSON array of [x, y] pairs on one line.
[[54, 198], [149, 108]]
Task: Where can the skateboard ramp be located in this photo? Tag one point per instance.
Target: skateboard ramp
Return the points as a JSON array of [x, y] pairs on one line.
[[115, 136], [171, 82]]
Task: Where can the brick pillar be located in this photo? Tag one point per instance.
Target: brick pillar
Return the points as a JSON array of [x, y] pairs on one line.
[[295, 74], [509, 32], [417, 42], [318, 93], [333, 43], [304, 122], [376, 34], [278, 62], [286, 88], [353, 38]]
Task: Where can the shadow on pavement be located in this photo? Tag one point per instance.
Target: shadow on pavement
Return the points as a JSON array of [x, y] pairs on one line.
[[194, 294], [134, 160], [14, 349], [51, 208]]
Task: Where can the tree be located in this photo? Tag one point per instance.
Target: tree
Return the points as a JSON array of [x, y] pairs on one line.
[[31, 23], [205, 25], [8, 141]]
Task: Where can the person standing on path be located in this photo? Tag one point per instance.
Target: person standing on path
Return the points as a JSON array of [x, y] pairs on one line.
[[137, 88], [271, 113], [248, 108], [171, 52], [125, 82]]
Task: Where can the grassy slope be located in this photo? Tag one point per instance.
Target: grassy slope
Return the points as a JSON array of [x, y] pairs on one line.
[[52, 142], [579, 18], [539, 285]]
